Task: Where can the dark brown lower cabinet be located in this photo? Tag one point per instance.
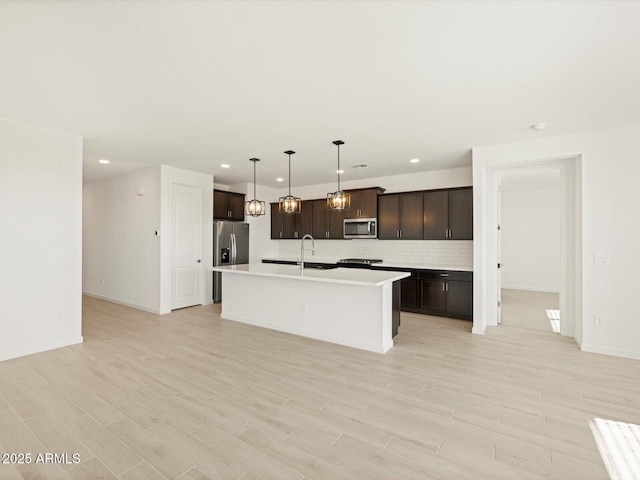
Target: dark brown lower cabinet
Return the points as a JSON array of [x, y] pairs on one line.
[[409, 291], [434, 295], [445, 293], [460, 298], [395, 308]]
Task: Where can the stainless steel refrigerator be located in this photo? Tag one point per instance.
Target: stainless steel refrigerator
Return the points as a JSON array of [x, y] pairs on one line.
[[230, 247]]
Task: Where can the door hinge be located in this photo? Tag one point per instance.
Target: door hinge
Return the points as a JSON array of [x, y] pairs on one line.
[[499, 265], [499, 303], [498, 226]]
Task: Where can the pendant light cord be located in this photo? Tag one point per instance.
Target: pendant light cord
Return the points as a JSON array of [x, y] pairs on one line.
[[254, 180], [338, 167], [289, 174]]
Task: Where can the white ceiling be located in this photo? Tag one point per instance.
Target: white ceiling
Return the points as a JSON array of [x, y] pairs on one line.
[[197, 84]]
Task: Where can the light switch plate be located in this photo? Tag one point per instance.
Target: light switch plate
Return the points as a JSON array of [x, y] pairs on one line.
[[598, 320], [602, 259]]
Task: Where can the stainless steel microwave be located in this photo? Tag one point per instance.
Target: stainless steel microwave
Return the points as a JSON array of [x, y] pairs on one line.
[[360, 228]]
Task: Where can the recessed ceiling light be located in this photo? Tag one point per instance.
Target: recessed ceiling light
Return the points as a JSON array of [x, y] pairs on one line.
[[225, 165], [339, 171], [104, 161], [536, 127], [414, 160], [279, 179]]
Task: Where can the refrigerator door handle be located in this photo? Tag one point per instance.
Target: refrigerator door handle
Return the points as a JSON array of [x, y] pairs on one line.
[[233, 249]]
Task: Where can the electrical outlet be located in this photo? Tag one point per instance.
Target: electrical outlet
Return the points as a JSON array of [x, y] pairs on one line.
[[304, 308], [602, 259], [102, 282], [598, 321]]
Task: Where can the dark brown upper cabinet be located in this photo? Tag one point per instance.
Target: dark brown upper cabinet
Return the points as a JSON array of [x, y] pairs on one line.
[[276, 222], [305, 219], [228, 205], [448, 214], [461, 214], [400, 216], [326, 223], [363, 203], [291, 225]]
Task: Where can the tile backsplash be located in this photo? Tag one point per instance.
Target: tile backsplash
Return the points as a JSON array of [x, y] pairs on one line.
[[435, 252]]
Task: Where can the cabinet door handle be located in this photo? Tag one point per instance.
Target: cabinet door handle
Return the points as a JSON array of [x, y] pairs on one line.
[[280, 234], [446, 287], [400, 233], [443, 287]]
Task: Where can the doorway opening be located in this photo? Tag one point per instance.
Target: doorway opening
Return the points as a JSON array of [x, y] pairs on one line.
[[486, 260], [529, 248]]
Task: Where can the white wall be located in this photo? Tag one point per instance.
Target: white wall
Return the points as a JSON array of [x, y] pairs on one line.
[[176, 176], [121, 253], [530, 239], [40, 239], [608, 174]]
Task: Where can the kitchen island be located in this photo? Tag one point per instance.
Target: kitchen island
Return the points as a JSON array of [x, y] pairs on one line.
[[345, 306]]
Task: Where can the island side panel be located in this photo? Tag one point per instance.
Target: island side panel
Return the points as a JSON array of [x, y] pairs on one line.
[[352, 315]]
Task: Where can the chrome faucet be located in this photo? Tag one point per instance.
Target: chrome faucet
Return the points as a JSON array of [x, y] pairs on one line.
[[313, 250]]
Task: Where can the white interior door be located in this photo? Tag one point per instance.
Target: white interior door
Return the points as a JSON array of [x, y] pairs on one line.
[[186, 246]]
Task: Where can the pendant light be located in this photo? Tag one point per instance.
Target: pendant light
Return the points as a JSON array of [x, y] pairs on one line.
[[254, 207], [338, 200], [289, 204]]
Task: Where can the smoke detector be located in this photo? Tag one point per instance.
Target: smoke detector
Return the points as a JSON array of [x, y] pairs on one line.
[[536, 127], [357, 166]]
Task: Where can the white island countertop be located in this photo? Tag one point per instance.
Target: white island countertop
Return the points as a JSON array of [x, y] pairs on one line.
[[350, 276]]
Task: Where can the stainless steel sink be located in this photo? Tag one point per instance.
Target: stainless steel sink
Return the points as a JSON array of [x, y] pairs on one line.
[[321, 266]]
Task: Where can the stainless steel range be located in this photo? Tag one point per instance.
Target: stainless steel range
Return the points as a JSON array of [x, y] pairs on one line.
[[359, 261]]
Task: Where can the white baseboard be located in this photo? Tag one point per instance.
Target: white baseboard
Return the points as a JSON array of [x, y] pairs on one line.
[[531, 289], [120, 302], [43, 347], [478, 329], [616, 352]]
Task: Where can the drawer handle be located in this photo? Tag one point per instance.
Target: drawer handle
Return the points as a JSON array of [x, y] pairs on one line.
[[444, 274]]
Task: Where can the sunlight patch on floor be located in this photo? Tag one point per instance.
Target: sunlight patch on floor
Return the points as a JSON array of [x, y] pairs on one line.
[[619, 445], [554, 319]]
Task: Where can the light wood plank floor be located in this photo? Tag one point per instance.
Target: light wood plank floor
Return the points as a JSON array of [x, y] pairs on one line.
[[533, 310], [191, 396]]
